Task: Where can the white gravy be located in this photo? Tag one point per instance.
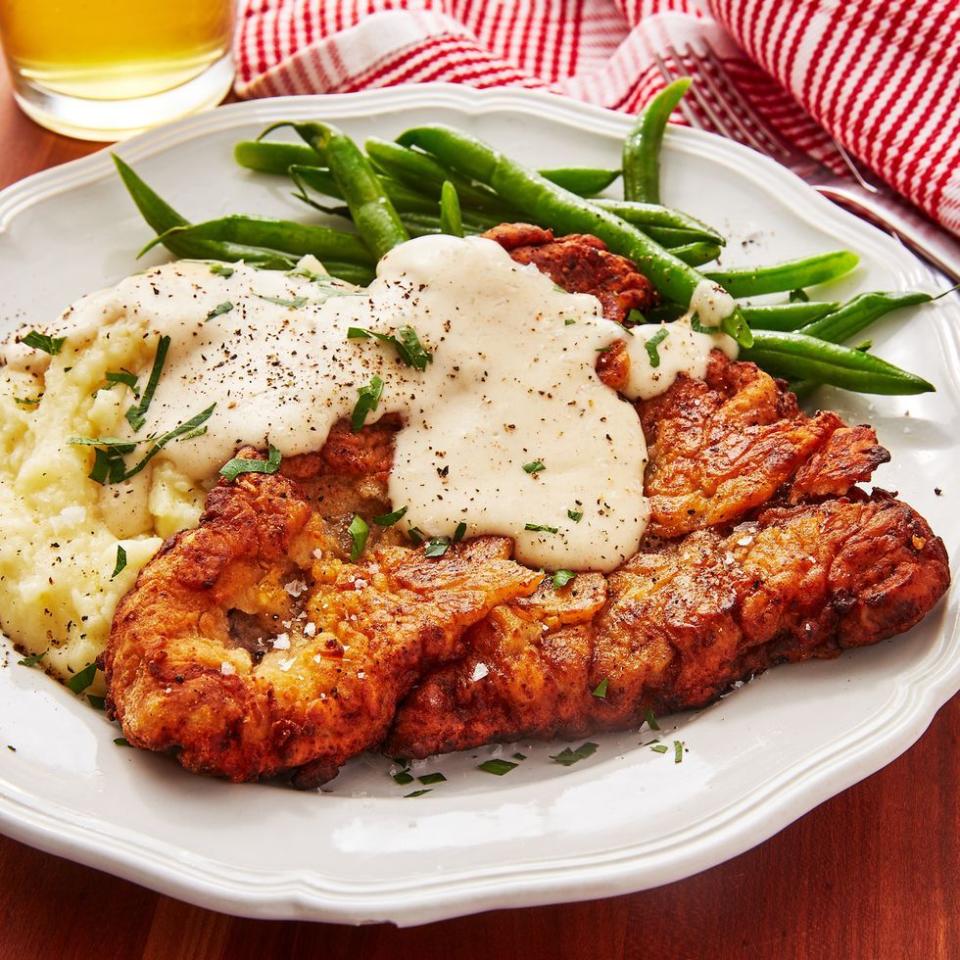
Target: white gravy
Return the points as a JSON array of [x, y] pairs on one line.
[[512, 383]]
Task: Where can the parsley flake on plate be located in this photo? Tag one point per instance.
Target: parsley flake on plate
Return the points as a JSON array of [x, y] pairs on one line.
[[496, 766], [567, 757]]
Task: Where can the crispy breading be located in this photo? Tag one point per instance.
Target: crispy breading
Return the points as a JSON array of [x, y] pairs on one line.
[[726, 445], [580, 263], [248, 657], [682, 622]]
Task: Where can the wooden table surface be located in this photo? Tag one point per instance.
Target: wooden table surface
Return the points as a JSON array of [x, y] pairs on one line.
[[872, 873]]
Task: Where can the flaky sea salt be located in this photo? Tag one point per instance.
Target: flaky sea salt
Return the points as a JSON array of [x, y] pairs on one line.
[[479, 672]]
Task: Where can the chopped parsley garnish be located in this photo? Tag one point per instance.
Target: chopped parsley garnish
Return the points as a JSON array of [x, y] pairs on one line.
[[575, 515], [496, 766], [367, 399], [116, 443], [121, 561], [233, 468], [659, 748], [567, 757], [292, 302], [137, 415], [697, 327], [40, 341], [519, 756], [417, 793], [80, 681], [403, 777], [108, 465], [124, 377], [32, 660], [220, 309], [389, 519], [121, 742], [653, 343], [534, 466], [562, 577], [359, 531], [677, 751], [651, 719], [568, 321], [432, 778], [799, 296], [436, 547], [600, 690], [416, 535], [540, 528], [460, 532], [27, 401], [98, 703], [308, 274], [220, 270], [406, 342]]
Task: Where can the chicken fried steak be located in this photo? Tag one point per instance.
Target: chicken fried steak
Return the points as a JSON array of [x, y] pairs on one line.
[[253, 646]]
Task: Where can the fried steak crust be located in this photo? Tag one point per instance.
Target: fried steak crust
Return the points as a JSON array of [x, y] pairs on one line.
[[580, 263], [193, 665], [681, 622]]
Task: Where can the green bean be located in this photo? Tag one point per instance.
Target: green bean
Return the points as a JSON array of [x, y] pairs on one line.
[[583, 181], [641, 149], [376, 219], [423, 224], [157, 212], [655, 215], [779, 316], [359, 273], [791, 275], [166, 221], [266, 157], [566, 212], [787, 316], [857, 314], [283, 235], [676, 236], [424, 174], [696, 253], [804, 357], [401, 196], [451, 220]]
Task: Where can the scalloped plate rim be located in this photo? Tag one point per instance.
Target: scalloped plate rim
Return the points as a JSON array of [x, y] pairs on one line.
[[734, 829]]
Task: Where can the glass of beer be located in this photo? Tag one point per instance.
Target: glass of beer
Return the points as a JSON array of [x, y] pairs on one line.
[[106, 69]]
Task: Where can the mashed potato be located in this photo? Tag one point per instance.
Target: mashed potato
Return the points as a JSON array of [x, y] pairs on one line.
[[61, 530]]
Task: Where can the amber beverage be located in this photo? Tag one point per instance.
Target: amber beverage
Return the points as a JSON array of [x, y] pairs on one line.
[[103, 69]]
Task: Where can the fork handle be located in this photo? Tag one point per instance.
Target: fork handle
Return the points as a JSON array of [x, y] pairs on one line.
[[923, 236]]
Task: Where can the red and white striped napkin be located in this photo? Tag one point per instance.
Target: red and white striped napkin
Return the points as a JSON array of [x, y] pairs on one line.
[[882, 76]]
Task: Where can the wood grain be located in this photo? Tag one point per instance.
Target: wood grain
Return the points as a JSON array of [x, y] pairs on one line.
[[872, 873]]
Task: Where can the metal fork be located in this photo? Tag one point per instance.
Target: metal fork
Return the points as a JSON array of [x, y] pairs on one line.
[[728, 112]]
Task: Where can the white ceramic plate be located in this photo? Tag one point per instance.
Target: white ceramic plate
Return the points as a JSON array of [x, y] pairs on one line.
[[626, 818]]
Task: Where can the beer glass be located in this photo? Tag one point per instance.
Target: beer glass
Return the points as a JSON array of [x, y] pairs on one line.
[[105, 69]]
